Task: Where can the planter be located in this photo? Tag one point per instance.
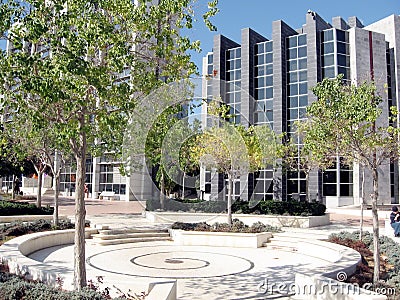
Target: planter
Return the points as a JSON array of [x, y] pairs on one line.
[[278, 221], [219, 239]]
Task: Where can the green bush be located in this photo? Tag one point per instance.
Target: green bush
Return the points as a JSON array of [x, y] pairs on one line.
[[11, 208], [21, 228], [267, 207], [187, 205], [388, 247], [271, 207], [237, 226], [15, 288]]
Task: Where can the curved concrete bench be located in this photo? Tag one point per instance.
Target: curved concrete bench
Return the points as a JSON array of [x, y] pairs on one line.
[[14, 253]]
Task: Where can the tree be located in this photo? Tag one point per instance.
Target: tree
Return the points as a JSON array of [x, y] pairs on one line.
[[66, 68], [348, 120], [234, 151], [315, 153]]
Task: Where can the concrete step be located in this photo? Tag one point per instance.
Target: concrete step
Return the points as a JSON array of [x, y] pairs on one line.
[[131, 240], [131, 230], [129, 235]]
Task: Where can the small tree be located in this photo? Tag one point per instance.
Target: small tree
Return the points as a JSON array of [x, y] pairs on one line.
[[348, 120], [67, 65]]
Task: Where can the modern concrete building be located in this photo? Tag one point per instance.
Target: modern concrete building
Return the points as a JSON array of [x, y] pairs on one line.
[[279, 73]]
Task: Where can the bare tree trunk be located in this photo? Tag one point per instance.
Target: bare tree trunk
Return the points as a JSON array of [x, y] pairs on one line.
[[375, 225], [183, 185], [307, 186], [162, 195], [13, 187], [362, 204], [80, 213], [56, 171], [56, 192], [230, 184], [39, 188]]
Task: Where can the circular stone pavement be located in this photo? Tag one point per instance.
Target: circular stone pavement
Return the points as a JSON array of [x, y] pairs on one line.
[[168, 262]]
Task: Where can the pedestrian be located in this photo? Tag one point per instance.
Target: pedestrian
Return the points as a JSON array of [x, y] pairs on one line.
[[395, 221]]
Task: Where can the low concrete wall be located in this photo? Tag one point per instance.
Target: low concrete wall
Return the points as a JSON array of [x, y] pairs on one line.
[[278, 221], [14, 253], [28, 218], [317, 287], [219, 239]]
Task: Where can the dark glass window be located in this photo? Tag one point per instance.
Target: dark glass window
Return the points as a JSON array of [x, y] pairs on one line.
[[303, 63], [238, 52], [260, 81], [330, 177], [269, 69], [269, 105], [343, 71], [303, 101], [342, 48], [260, 59], [260, 48], [303, 88], [293, 65], [302, 40], [328, 60], [293, 89], [260, 94], [329, 189], [268, 58], [343, 60], [292, 41], [329, 72], [303, 76], [327, 35], [341, 36], [292, 53], [210, 59], [231, 54], [293, 77], [268, 47], [270, 116], [268, 80], [328, 48], [293, 113], [293, 101], [269, 93], [238, 64], [260, 71], [346, 190], [303, 52]]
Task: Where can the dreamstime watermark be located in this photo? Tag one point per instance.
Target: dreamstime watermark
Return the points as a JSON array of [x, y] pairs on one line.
[[323, 287]]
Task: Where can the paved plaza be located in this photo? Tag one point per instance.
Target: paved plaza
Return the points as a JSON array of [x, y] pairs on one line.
[[201, 272]]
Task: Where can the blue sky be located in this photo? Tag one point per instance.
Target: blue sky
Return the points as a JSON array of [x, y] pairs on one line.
[[259, 15]]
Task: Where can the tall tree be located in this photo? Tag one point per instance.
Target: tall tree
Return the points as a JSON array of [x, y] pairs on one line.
[[348, 120], [81, 66]]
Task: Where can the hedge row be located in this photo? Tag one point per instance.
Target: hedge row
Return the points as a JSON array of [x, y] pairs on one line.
[[267, 207], [237, 226], [11, 208], [20, 228]]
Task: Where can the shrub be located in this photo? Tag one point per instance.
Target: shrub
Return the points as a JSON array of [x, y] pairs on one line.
[[267, 207], [237, 226], [187, 205], [10, 208], [21, 228], [388, 248]]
